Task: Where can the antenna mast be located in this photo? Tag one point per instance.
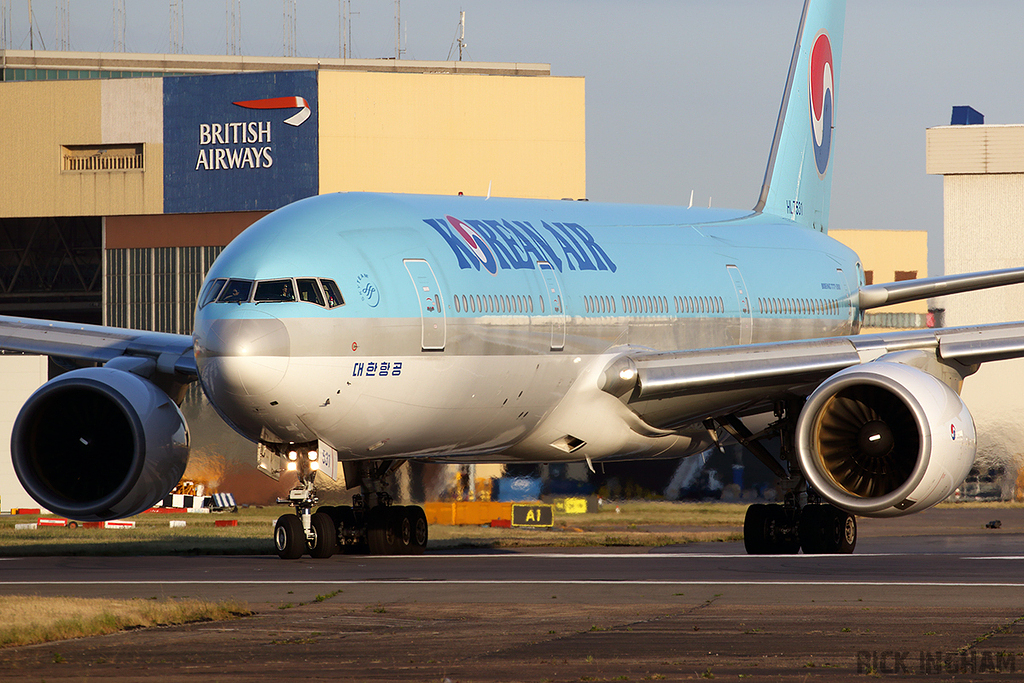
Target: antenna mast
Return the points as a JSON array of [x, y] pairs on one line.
[[345, 28], [63, 40], [462, 33], [398, 29], [118, 25], [233, 23], [177, 37], [32, 29], [289, 28]]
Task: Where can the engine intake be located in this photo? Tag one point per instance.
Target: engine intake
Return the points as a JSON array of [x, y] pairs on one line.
[[885, 439], [98, 444]]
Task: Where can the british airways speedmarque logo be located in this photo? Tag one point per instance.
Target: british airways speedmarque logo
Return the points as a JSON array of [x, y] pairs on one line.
[[281, 103], [519, 245], [822, 100]]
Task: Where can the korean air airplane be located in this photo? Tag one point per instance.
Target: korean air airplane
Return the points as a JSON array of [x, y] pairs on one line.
[[362, 331]]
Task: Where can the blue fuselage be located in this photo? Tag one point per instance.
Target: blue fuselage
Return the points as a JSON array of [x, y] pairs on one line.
[[482, 314]]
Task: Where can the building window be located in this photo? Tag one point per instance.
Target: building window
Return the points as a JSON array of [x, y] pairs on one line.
[[102, 158]]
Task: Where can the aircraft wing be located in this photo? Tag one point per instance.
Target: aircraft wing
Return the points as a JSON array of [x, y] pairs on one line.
[[652, 376], [172, 353]]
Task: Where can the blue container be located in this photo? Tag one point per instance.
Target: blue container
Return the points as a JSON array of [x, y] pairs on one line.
[[516, 489]]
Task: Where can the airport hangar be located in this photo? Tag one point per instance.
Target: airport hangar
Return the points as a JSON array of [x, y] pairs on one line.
[[124, 175]]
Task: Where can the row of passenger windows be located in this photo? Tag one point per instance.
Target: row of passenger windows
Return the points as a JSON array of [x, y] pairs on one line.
[[654, 304], [505, 303], [319, 291], [785, 306], [495, 303]]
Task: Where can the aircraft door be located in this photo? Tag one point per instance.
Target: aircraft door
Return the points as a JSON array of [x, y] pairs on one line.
[[743, 299], [431, 303], [555, 304]]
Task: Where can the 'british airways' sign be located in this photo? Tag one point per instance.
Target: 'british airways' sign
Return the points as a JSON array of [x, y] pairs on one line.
[[239, 142]]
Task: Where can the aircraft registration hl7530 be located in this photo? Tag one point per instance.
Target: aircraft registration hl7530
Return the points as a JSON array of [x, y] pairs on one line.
[[366, 330]]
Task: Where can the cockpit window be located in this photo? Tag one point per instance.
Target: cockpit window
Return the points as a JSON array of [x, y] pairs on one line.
[[213, 288], [235, 292], [309, 291], [274, 290], [334, 297]]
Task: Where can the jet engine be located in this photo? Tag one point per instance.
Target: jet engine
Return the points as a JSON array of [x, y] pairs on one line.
[[885, 439], [98, 443]]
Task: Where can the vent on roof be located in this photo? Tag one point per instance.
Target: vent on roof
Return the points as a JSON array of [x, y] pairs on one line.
[[966, 116]]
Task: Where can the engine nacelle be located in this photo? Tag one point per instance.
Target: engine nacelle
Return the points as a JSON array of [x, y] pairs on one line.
[[885, 439], [98, 444]]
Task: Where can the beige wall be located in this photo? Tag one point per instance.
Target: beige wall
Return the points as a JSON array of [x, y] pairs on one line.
[[386, 132], [444, 134], [983, 224], [884, 252], [22, 376], [39, 117]]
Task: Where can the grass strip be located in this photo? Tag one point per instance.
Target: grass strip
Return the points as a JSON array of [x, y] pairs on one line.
[[31, 619]]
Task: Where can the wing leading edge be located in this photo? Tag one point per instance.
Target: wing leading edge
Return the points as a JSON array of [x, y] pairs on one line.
[[172, 353], [784, 365]]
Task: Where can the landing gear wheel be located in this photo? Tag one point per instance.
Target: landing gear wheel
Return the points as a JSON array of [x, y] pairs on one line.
[[768, 530], [289, 538], [755, 533], [811, 529], [402, 519], [840, 531], [380, 531], [784, 539], [345, 522], [420, 530], [825, 529], [324, 542]]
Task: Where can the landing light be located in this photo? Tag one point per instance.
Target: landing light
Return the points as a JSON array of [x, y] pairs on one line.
[[314, 465], [313, 455], [292, 455], [627, 374], [293, 466]]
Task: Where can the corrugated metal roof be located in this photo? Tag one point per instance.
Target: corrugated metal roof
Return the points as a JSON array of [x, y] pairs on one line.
[[957, 150]]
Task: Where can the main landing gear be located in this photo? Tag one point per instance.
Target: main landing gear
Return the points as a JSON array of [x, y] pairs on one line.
[[372, 524], [802, 521], [784, 529]]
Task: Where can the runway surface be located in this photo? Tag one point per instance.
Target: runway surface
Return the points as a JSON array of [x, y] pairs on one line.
[[921, 599]]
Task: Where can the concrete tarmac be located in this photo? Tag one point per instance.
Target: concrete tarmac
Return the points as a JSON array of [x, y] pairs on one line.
[[935, 596]]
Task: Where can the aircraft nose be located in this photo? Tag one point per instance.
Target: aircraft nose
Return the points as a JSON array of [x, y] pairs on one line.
[[243, 357]]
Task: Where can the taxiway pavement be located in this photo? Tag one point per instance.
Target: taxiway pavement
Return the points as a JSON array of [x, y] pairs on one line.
[[935, 596]]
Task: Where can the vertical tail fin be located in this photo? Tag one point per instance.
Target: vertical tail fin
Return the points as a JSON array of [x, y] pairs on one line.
[[798, 180]]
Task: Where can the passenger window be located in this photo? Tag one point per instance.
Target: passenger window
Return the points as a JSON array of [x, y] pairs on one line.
[[309, 291], [458, 309], [274, 291], [334, 297], [235, 292], [212, 290]]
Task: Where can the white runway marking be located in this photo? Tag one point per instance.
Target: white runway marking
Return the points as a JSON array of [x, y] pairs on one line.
[[525, 582]]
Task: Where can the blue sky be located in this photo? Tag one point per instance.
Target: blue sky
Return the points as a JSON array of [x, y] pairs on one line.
[[681, 94]]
